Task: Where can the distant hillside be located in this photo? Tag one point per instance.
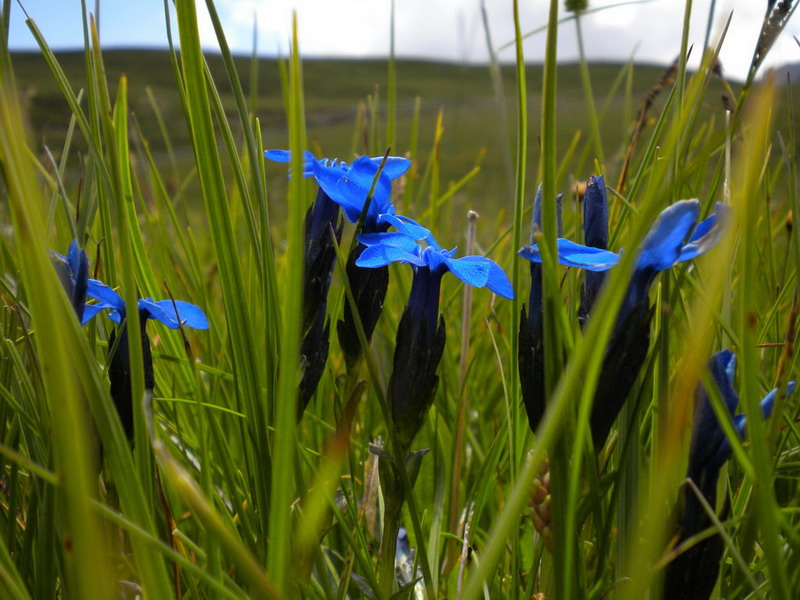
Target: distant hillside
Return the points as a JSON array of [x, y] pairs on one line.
[[333, 91], [332, 88]]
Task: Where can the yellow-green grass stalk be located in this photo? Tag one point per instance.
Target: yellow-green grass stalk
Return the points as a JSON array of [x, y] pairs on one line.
[[248, 373]]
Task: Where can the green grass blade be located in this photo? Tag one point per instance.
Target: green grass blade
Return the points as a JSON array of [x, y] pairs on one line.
[[247, 371], [283, 485]]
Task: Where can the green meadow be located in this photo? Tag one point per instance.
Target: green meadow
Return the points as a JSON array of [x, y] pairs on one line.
[[498, 437], [344, 98]]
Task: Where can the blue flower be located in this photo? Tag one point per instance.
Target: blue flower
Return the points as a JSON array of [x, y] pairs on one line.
[[531, 328], [73, 270], [172, 313], [672, 239], [595, 235], [694, 572], [421, 332], [710, 447], [349, 185], [431, 262], [323, 226]]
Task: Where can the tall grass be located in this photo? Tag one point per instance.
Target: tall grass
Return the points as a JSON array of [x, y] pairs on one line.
[[224, 493]]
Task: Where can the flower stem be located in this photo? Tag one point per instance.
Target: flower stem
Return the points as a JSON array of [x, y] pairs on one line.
[[393, 499]]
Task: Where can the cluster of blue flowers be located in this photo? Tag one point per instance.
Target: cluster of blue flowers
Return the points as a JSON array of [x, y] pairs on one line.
[[73, 270], [363, 192], [675, 237], [421, 334], [693, 573]]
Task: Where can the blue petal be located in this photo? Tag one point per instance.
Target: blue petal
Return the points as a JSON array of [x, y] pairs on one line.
[[740, 424], [703, 227], [381, 255], [90, 311], [595, 213], [707, 234], [767, 403], [284, 156], [723, 370], [188, 314], [396, 239], [150, 310], [357, 182], [769, 400], [63, 268], [530, 253], [281, 156], [394, 167], [730, 365], [499, 283], [571, 254], [328, 179], [537, 211], [661, 248], [406, 226], [74, 256], [473, 270], [585, 257], [105, 295], [480, 271]]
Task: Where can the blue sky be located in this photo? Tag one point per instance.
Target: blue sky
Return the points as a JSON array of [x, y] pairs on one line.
[[437, 29]]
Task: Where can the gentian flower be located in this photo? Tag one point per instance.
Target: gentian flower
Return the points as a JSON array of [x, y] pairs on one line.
[[73, 270], [323, 225], [672, 239], [421, 332], [595, 235], [321, 220], [418, 350], [665, 245], [348, 186], [694, 573], [531, 330], [172, 313]]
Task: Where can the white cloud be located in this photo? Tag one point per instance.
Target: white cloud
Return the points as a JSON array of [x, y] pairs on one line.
[[438, 29]]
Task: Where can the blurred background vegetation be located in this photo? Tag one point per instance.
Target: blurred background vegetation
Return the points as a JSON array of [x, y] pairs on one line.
[[339, 99]]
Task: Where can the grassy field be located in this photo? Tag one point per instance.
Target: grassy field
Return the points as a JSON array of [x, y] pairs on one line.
[[183, 462], [335, 92]]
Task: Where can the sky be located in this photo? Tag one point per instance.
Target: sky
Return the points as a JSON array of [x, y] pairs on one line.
[[448, 30]]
